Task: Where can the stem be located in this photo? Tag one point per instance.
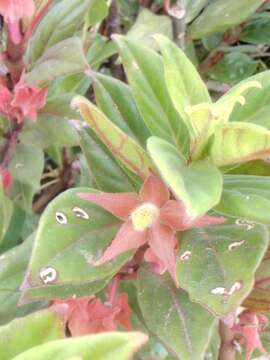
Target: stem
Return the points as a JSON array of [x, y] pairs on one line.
[[11, 143], [177, 13], [227, 349], [113, 27]]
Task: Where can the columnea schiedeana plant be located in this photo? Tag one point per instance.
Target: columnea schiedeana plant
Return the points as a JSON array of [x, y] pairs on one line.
[[134, 205]]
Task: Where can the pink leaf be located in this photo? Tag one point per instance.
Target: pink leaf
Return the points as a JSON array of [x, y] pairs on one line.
[[28, 100]]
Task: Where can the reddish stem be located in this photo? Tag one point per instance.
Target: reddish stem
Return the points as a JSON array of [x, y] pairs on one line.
[[227, 349], [11, 143]]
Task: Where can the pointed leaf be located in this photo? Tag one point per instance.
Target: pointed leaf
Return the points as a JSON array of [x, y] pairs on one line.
[[233, 67], [6, 209], [115, 99], [238, 142], [107, 174], [64, 58], [71, 235], [216, 264], [144, 69], [246, 197], [59, 23], [24, 333], [257, 102], [221, 15], [185, 86], [26, 168], [107, 346], [98, 10], [197, 185], [123, 147], [12, 269], [193, 8], [170, 315], [52, 126], [148, 24]]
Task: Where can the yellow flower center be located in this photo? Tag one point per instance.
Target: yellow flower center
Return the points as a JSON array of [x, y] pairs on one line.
[[144, 216]]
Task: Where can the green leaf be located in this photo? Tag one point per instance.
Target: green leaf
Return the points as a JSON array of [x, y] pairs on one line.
[[197, 185], [148, 24], [107, 346], [123, 147], [257, 102], [25, 333], [98, 10], [185, 86], [100, 50], [12, 269], [193, 8], [60, 22], [107, 174], [26, 168], [64, 58], [6, 210], [237, 142], [13, 234], [257, 30], [246, 197], [233, 67], [52, 126], [216, 264], [221, 15], [115, 99], [144, 69], [71, 235], [173, 318]]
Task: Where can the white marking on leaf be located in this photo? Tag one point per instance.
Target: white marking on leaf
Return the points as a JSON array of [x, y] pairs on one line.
[[186, 255], [219, 291], [235, 244], [80, 213], [48, 275], [61, 218], [245, 223], [235, 287]]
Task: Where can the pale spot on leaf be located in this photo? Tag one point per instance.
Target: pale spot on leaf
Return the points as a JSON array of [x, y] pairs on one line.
[[48, 275], [80, 213], [235, 287], [61, 218], [245, 223], [235, 244], [186, 255], [219, 291]]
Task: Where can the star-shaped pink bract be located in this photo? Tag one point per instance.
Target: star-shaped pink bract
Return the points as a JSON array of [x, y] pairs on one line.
[[24, 102], [90, 316], [14, 10], [151, 218], [249, 326]]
